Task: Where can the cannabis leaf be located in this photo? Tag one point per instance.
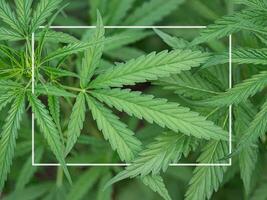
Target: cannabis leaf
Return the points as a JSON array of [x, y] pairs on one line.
[[44, 10], [157, 185], [9, 135], [150, 67], [23, 9], [174, 42], [241, 91], [120, 137], [56, 36], [76, 121], [167, 148], [6, 98], [248, 19], [247, 157], [256, 129], [83, 184], [10, 35], [70, 49], [171, 115], [54, 108], [240, 56], [48, 127], [118, 10], [189, 85], [92, 55], [144, 16], [258, 4], [207, 179], [118, 40], [8, 16]]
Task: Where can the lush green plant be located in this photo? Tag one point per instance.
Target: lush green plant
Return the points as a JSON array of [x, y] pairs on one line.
[[85, 82]]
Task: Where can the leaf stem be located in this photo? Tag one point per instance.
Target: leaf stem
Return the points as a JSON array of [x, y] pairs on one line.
[[73, 88]]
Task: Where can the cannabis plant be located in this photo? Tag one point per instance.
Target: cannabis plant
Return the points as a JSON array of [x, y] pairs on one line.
[[142, 98]]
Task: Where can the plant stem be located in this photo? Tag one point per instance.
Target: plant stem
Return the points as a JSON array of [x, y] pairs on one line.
[[59, 177]]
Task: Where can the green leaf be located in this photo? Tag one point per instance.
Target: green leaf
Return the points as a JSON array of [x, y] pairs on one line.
[[10, 73], [54, 108], [57, 37], [11, 54], [9, 17], [9, 34], [166, 149], [189, 85], [205, 9], [96, 5], [118, 10], [150, 67], [120, 137], [59, 72], [6, 98], [257, 4], [241, 91], [85, 182], [27, 170], [128, 53], [205, 180], [93, 55], [107, 193], [6, 85], [23, 8], [246, 19], [49, 89], [8, 136], [248, 157], [151, 12], [157, 185], [174, 42], [124, 38], [240, 56], [256, 129], [70, 49], [44, 9], [165, 114], [48, 127], [76, 122]]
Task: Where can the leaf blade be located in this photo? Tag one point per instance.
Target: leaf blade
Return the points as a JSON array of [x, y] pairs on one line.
[[121, 138], [150, 67], [44, 10], [9, 135], [48, 127], [205, 180], [171, 115], [75, 124], [93, 55]]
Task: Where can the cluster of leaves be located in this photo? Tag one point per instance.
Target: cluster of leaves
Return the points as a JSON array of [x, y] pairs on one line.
[[73, 86]]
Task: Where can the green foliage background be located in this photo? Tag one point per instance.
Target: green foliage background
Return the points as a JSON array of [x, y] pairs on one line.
[[149, 97]]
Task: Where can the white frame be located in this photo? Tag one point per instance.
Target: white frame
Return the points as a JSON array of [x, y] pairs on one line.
[[127, 164]]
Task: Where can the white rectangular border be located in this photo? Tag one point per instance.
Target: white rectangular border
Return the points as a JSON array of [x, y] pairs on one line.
[[126, 164]]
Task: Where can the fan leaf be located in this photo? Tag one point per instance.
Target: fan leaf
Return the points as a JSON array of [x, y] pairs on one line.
[[165, 114]]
